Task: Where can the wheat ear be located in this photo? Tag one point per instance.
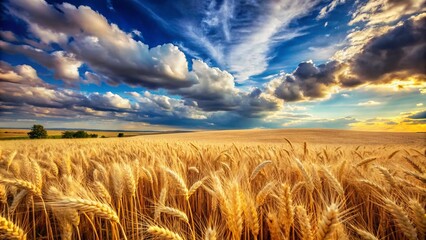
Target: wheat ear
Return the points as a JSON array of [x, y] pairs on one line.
[[179, 180], [328, 222], [366, 235], [334, 182], [259, 168], [274, 226], [309, 183], [264, 192], [211, 234], [164, 233], [366, 161], [174, 212], [304, 223], [89, 206], [286, 210], [22, 184], [419, 217]]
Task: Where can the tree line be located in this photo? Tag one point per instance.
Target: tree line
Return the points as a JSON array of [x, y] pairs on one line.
[[38, 131]]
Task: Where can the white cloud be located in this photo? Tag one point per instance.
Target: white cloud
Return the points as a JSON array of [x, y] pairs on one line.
[[369, 103], [64, 64], [103, 46], [21, 74], [110, 99]]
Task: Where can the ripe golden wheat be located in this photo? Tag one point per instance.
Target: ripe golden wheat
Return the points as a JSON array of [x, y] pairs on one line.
[[139, 189]]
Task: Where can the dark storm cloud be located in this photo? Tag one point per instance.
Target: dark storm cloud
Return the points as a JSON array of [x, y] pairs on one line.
[[419, 115], [308, 81], [402, 49]]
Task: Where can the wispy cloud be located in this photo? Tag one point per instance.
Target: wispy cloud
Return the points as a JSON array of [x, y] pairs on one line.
[[241, 41], [249, 55], [328, 8], [369, 103]]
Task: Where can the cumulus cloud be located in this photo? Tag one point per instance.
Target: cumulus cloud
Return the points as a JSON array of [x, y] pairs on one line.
[[154, 105], [64, 64], [215, 91], [108, 101], [104, 47], [21, 74], [25, 95]]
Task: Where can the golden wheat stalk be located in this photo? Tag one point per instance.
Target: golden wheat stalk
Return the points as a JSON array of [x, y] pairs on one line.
[[401, 219], [178, 178]]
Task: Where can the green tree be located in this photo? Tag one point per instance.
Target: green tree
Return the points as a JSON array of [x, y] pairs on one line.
[[68, 134], [121, 135], [81, 134], [37, 131]]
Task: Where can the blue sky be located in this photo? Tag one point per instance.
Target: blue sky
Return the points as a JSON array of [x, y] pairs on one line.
[[134, 64]]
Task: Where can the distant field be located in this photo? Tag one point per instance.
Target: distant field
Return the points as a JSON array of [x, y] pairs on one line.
[[22, 133], [311, 136]]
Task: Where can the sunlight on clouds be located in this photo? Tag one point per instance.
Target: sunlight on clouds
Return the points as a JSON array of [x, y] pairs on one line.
[[401, 85], [385, 11], [406, 122]]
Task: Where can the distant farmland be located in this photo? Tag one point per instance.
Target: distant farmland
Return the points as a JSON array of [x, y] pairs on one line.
[[22, 133]]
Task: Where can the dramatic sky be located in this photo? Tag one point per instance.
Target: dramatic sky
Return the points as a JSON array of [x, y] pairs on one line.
[[193, 64]]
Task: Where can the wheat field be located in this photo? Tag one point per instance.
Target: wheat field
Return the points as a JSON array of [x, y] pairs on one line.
[[173, 187]]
